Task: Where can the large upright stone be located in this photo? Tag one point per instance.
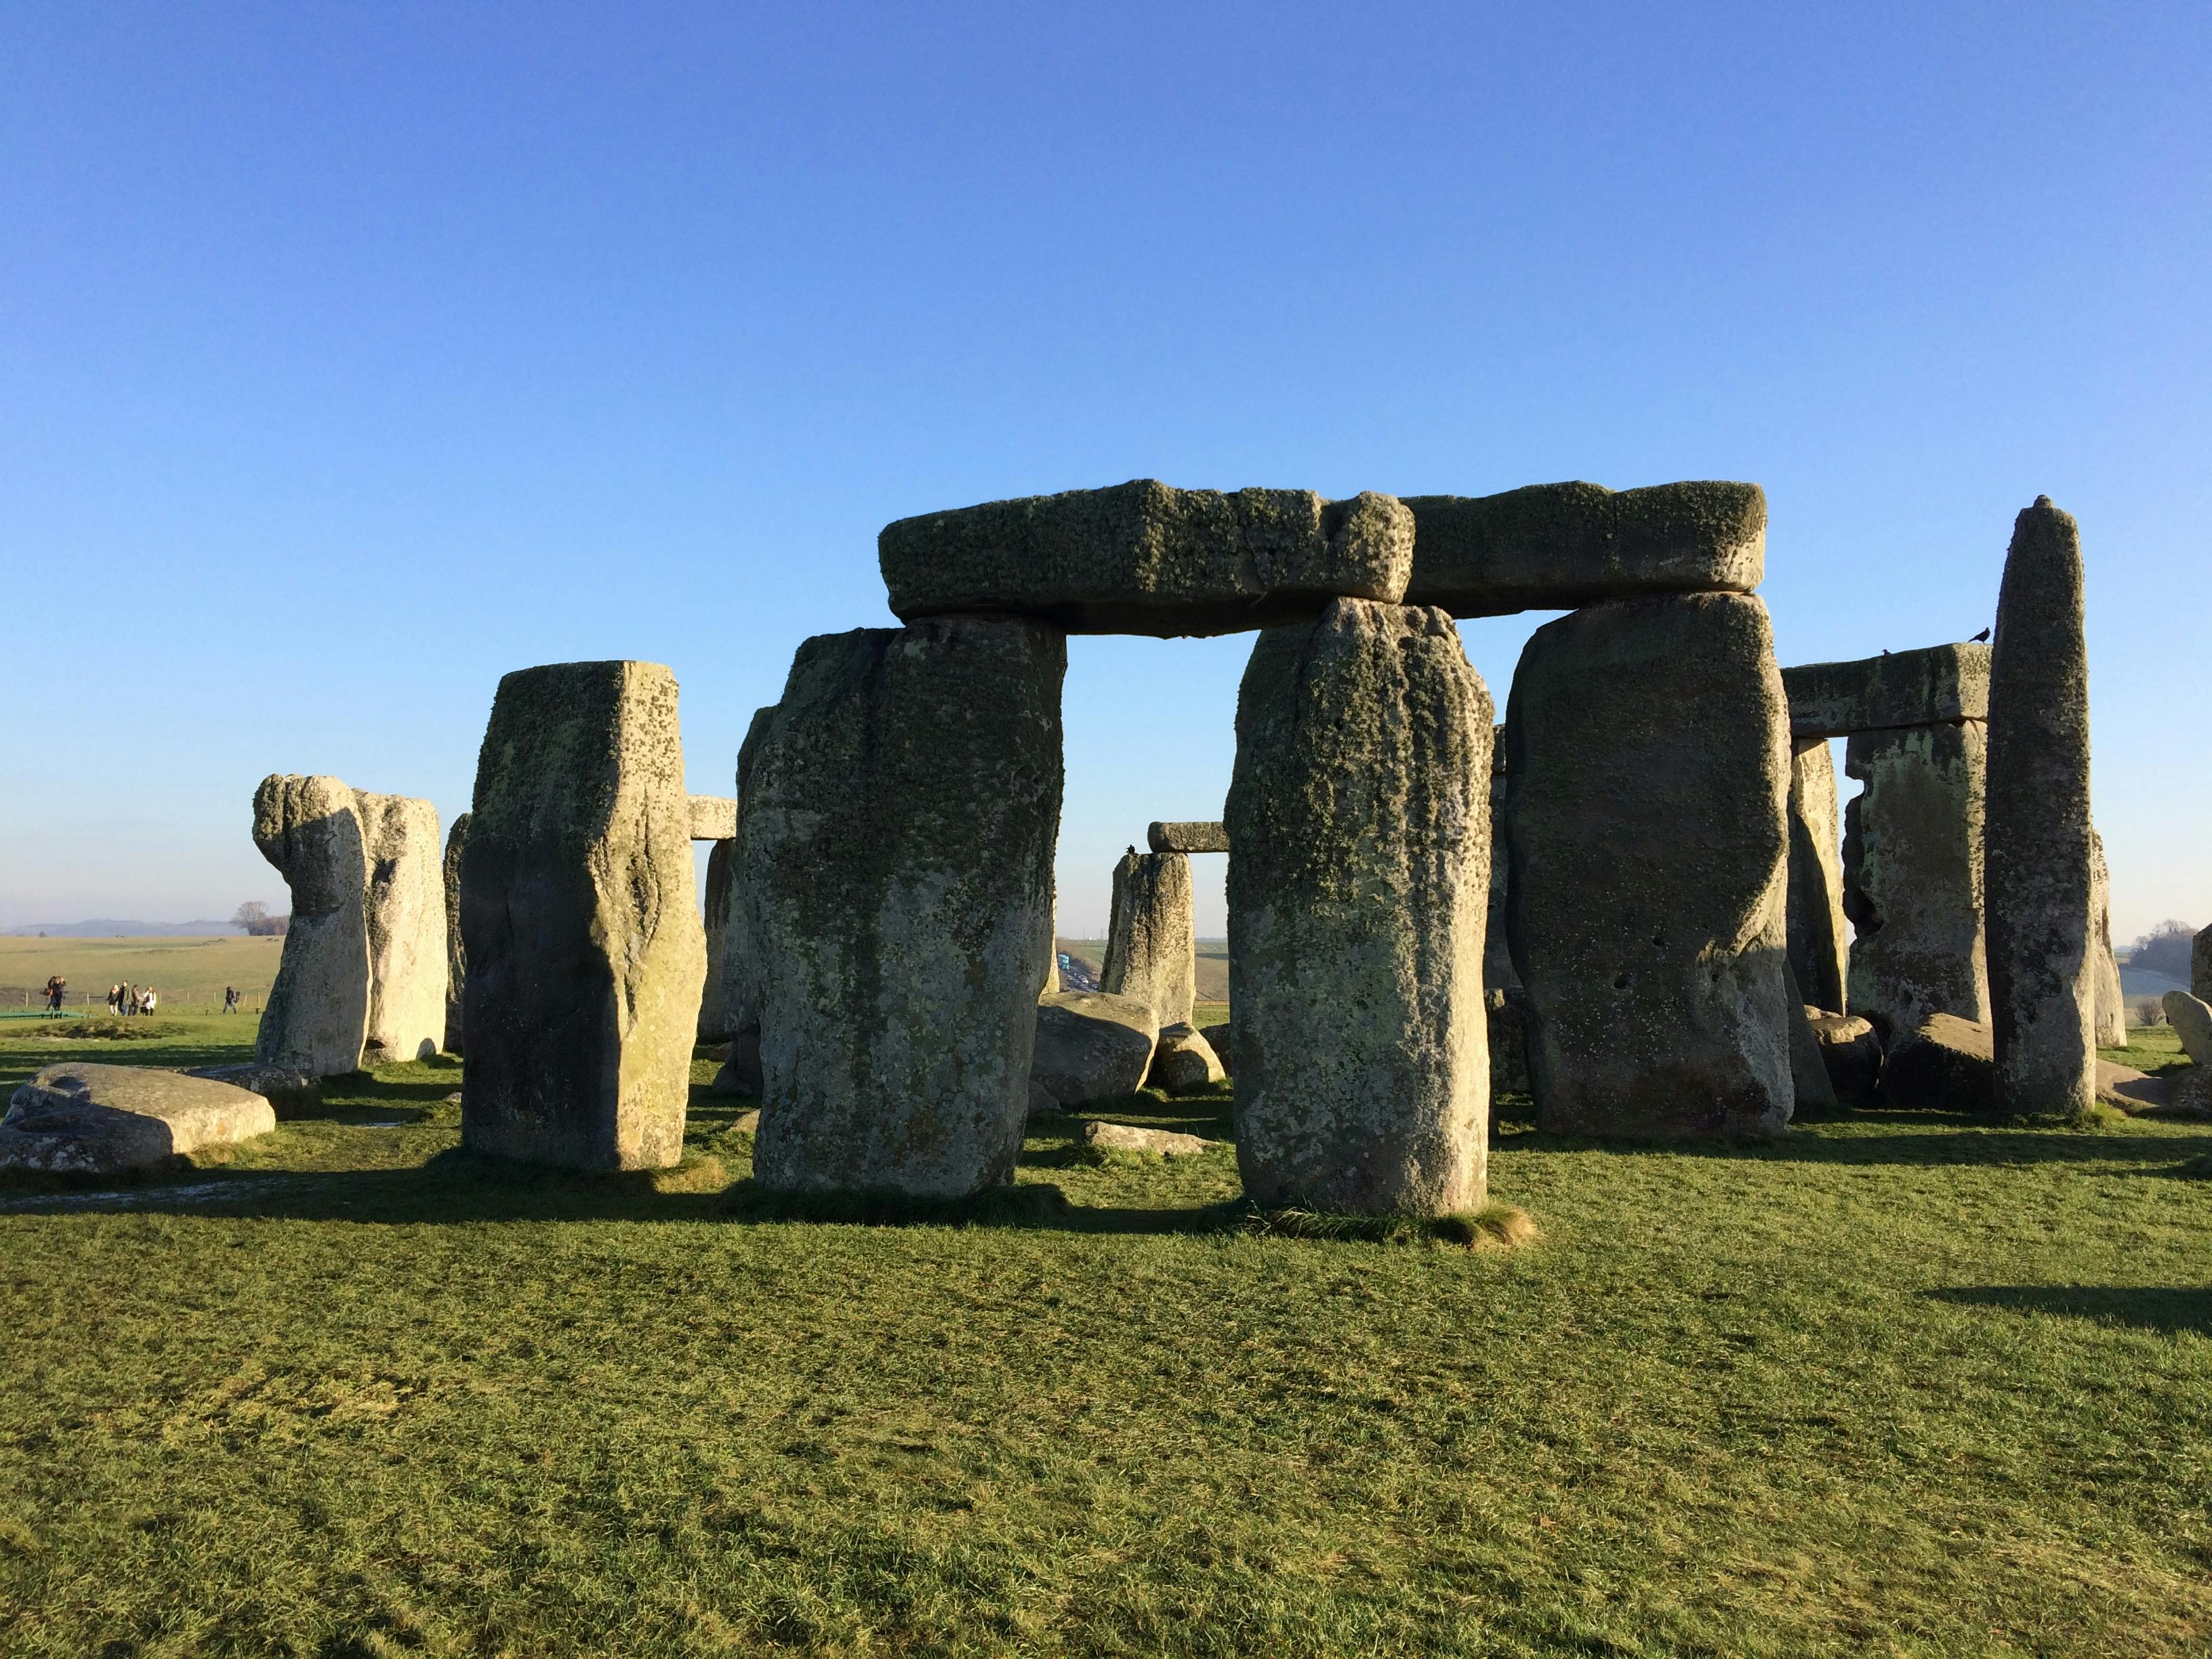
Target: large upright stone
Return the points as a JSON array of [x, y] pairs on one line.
[[1647, 821], [1553, 546], [714, 1022], [1143, 558], [585, 954], [1913, 876], [1938, 685], [1499, 973], [2040, 862], [1357, 885], [901, 803], [406, 908], [2112, 1000], [2200, 964], [1820, 940], [318, 1014], [457, 956], [1152, 951]]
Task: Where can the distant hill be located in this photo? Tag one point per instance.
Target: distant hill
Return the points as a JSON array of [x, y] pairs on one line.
[[105, 929]]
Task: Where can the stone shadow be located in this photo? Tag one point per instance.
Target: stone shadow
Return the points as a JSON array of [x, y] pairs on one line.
[[2169, 1310]]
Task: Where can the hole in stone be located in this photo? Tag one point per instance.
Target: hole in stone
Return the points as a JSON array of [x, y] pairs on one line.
[[1659, 941], [1620, 981]]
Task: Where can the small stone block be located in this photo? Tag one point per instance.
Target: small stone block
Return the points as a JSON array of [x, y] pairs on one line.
[[714, 817], [1187, 837]]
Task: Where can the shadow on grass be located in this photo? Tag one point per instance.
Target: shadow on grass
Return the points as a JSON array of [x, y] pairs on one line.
[[1936, 1140], [2170, 1309]]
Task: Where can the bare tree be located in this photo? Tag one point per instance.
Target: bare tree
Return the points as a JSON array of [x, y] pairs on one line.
[[254, 917]]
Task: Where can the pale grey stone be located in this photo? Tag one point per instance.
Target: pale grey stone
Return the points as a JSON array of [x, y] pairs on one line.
[[1092, 1046], [1647, 822], [2130, 1090], [2191, 1019], [901, 805], [316, 1019], [2041, 952], [287, 1088], [586, 953], [406, 908], [1819, 940], [1808, 1067], [1222, 1039], [86, 1119], [1912, 875], [457, 955], [1183, 1061], [1127, 1138], [1551, 547], [714, 817], [1151, 950], [1358, 890], [1850, 1051], [1187, 837], [2111, 1005], [1939, 685]]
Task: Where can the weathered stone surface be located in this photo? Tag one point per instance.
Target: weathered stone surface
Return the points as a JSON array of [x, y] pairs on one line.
[[714, 817], [1127, 1138], [1357, 891], [1647, 823], [741, 1071], [901, 805], [1850, 1049], [405, 909], [1499, 973], [1809, 1066], [1091, 1046], [457, 955], [1508, 1011], [1947, 1065], [1143, 558], [729, 1007], [1187, 837], [2191, 1019], [2111, 1002], [1912, 875], [1555, 546], [1222, 1039], [714, 1001], [2190, 1089], [2199, 965], [83, 1119], [1940, 685], [1820, 941], [1182, 1060], [288, 1089], [586, 954], [2130, 1090], [2041, 953], [1152, 950], [318, 1014]]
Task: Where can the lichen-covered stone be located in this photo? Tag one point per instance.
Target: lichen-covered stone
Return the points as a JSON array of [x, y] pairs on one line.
[[1939, 685], [586, 954], [1183, 1061], [1820, 940], [457, 956], [714, 817], [1850, 1051], [1151, 950], [86, 1118], [318, 1014], [2042, 957], [2111, 1004], [1912, 875], [2200, 964], [1092, 1046], [1222, 1039], [288, 1088], [2191, 1019], [1499, 973], [1187, 837], [1143, 558], [1647, 821], [404, 905], [1357, 889], [1554, 546], [1127, 1138], [1947, 1065], [901, 805]]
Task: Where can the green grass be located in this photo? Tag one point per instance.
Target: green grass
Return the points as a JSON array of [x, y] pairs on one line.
[[1895, 1386]]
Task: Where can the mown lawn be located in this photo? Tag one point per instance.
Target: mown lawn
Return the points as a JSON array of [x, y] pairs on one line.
[[1895, 1386]]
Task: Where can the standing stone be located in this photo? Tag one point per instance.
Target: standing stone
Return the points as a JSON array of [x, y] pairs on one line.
[[457, 958], [2112, 1000], [2200, 964], [2041, 955], [318, 1014], [714, 1001], [1497, 971], [1820, 941], [1647, 822], [405, 908], [585, 950], [1913, 876], [901, 805], [1152, 950], [1359, 877]]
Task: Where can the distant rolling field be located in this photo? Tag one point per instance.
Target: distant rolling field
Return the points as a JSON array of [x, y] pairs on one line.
[[1213, 964], [183, 970]]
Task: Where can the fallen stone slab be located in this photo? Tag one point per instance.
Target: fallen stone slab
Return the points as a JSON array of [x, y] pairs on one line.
[[83, 1119], [1092, 1046], [1143, 558], [1151, 947], [1555, 547], [2130, 1090], [288, 1088], [1187, 837], [1127, 1138], [1850, 1049], [2191, 1019], [1935, 686], [1183, 1061], [714, 817], [1947, 1065]]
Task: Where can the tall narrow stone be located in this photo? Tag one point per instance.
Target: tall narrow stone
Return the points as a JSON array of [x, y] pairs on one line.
[[1647, 822], [1820, 941], [406, 908], [1499, 973], [457, 956], [2112, 1000], [2041, 863], [1152, 951], [1358, 875], [2200, 964], [1913, 876], [318, 1014], [901, 803], [586, 954], [714, 1025]]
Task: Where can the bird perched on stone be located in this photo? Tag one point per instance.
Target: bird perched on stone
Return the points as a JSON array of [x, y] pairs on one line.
[[1982, 638]]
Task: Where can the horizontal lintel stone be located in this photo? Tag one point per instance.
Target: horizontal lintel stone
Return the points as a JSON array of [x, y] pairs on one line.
[[1938, 685], [714, 817], [1187, 837]]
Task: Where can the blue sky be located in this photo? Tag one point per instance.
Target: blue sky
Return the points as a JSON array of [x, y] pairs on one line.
[[350, 356]]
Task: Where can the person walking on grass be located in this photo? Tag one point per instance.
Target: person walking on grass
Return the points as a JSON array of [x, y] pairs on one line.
[[146, 1002], [114, 998], [230, 999], [54, 989]]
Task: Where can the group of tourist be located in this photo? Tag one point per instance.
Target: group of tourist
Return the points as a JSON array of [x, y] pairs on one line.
[[55, 986], [126, 999]]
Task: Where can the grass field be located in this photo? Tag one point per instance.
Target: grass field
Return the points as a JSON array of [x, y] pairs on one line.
[[1894, 1386], [183, 969], [1212, 964]]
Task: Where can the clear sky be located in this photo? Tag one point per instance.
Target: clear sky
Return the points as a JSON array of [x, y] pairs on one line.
[[353, 356]]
